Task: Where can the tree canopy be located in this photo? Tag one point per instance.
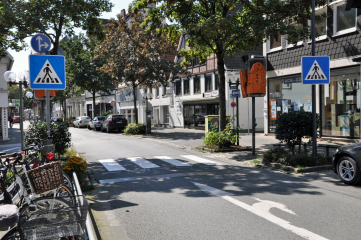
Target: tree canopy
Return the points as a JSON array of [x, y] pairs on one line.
[[135, 57], [224, 27]]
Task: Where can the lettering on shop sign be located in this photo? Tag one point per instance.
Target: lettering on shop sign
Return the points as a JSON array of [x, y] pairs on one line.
[[292, 80]]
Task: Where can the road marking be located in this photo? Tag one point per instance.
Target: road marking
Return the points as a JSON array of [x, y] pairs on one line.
[[141, 162], [130, 179], [111, 165], [173, 161], [7, 150], [262, 209], [200, 160]]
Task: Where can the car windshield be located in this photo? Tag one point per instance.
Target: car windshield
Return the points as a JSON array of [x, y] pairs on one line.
[[85, 117], [17, 117], [118, 118], [101, 118]]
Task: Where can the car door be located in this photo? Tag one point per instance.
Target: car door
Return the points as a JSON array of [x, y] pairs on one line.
[[106, 122]]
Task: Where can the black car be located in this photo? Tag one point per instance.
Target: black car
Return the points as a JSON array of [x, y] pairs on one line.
[[114, 122], [346, 163], [56, 119]]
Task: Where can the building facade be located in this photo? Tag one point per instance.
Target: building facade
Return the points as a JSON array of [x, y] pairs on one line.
[[337, 103]]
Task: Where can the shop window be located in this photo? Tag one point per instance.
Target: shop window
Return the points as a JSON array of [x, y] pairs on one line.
[[344, 21], [186, 86], [208, 83], [216, 81], [197, 84], [178, 88]]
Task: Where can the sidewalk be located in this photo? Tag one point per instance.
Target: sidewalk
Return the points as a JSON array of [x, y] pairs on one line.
[[14, 136]]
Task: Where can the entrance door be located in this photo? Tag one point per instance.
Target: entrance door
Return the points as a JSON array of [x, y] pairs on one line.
[[156, 116]]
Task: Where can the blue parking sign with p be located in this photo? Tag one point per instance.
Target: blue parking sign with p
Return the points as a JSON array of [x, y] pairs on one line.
[[315, 69]]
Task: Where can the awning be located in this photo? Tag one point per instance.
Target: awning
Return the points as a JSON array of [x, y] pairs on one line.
[[200, 100]]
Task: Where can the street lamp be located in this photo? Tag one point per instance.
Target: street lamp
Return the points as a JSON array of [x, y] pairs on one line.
[[29, 95], [23, 76], [148, 112], [233, 81]]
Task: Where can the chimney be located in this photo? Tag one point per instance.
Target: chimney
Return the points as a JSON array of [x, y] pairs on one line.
[[122, 13]]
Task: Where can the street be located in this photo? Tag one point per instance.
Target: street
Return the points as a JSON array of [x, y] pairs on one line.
[[150, 190]]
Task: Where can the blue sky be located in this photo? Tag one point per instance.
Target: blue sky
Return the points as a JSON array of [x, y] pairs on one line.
[[21, 62]]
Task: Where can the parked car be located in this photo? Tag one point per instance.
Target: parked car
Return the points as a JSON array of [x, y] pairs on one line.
[[114, 122], [16, 119], [96, 123], [56, 119], [199, 118], [346, 163], [82, 121]]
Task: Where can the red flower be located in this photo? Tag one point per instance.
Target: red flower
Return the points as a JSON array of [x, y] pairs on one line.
[[83, 184]]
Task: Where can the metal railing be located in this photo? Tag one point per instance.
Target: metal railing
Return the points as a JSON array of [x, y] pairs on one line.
[[89, 234]]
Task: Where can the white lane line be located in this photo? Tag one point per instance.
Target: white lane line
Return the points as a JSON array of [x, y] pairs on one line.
[[262, 209], [117, 180], [141, 162], [173, 161], [111, 165], [10, 149], [201, 160], [131, 179]]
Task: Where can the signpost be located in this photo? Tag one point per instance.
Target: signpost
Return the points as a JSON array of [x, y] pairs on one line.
[[35, 105], [40, 43], [315, 70], [112, 103], [233, 104]]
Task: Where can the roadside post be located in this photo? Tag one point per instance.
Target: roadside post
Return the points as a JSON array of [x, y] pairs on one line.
[[236, 93]]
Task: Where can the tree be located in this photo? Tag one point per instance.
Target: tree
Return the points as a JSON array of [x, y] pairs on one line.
[[223, 27], [13, 28], [293, 126], [60, 17], [135, 57], [82, 68]]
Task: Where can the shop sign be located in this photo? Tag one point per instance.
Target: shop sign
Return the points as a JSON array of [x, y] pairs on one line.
[[207, 94], [5, 123], [292, 80], [215, 93], [125, 94], [273, 109]]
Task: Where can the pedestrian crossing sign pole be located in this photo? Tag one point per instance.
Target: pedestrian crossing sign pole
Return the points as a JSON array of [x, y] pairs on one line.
[[47, 72], [315, 70]]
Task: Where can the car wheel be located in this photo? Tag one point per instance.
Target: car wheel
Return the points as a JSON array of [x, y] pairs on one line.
[[108, 130], [348, 170], [101, 129], [89, 128], [78, 125]]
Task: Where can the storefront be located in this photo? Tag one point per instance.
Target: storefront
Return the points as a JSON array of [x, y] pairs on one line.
[[339, 101], [194, 114]]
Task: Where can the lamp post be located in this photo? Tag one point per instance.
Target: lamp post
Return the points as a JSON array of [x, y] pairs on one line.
[[29, 95], [148, 112], [23, 76], [233, 81]]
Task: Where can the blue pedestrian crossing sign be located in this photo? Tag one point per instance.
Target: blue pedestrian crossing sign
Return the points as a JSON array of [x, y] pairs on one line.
[[315, 70], [47, 72]]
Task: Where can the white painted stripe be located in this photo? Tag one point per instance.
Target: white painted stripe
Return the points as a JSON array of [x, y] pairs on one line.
[[141, 162], [117, 180], [11, 149], [200, 160], [262, 209], [111, 165], [173, 161], [214, 192]]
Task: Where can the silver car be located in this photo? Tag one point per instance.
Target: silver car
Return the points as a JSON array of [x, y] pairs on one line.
[[96, 123], [82, 121]]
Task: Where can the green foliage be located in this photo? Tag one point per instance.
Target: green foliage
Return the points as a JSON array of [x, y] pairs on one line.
[[219, 140], [106, 113], [135, 128], [302, 159], [59, 132], [293, 126]]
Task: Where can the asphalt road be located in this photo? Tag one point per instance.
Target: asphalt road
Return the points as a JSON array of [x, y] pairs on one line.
[[150, 190]]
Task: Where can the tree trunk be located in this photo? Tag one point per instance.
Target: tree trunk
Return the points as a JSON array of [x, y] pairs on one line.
[[135, 103], [64, 109], [222, 94], [93, 108]]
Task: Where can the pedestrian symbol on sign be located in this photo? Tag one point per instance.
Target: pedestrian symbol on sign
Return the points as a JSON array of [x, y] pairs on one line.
[[47, 75], [315, 72]]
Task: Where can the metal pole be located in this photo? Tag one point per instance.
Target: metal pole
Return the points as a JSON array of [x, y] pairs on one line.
[[237, 112], [253, 126], [42, 111], [314, 122], [48, 111], [21, 115], [115, 100]]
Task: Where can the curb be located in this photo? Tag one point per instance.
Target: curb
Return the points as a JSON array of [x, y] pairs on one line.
[[242, 148], [303, 170]]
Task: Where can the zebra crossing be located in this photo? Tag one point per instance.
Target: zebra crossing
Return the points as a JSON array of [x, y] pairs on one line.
[[113, 166]]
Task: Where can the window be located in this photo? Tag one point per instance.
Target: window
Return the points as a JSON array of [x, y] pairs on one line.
[[197, 84], [320, 26], [186, 86], [156, 91], [189, 64], [196, 62], [300, 42], [178, 88], [216, 81], [275, 43], [344, 21], [208, 82]]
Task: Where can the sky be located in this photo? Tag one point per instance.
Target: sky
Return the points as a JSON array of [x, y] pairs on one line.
[[21, 59]]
